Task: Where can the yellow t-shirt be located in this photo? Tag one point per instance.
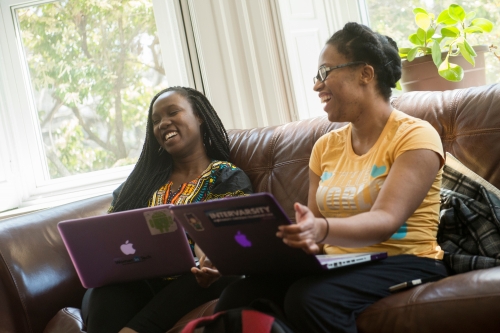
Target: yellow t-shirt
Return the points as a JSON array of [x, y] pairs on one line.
[[350, 183]]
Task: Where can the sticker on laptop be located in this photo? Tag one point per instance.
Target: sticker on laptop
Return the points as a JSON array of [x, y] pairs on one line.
[[160, 222], [231, 216], [194, 221], [131, 260]]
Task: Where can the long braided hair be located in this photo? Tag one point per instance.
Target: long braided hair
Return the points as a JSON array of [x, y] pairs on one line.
[[359, 43], [154, 165]]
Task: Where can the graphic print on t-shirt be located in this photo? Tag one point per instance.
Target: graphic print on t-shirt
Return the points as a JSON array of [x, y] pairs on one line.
[[353, 192], [357, 194], [378, 171], [401, 233]]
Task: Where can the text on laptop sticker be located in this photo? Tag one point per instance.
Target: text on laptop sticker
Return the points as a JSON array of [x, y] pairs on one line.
[[160, 222], [225, 216]]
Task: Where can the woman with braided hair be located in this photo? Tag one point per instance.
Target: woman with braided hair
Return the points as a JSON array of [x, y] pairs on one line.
[[183, 160], [373, 187]]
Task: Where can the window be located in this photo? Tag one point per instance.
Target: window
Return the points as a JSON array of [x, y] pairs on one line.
[[232, 50], [396, 19], [82, 76], [228, 49], [93, 68]]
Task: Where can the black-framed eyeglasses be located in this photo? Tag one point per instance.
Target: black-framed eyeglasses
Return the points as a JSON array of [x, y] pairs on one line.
[[323, 70]]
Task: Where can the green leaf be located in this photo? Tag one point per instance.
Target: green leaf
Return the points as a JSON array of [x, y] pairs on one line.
[[415, 40], [451, 72], [473, 30], [456, 12], [470, 15], [421, 35], [423, 21], [469, 48], [466, 54], [436, 54], [425, 50], [430, 32], [444, 18], [450, 32], [412, 54], [419, 10], [404, 50], [398, 85], [482, 23], [438, 40]]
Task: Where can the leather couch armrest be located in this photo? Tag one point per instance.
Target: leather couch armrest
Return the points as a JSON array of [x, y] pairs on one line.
[[37, 277], [467, 302]]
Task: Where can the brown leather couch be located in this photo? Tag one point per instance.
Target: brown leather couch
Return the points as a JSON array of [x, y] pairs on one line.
[[37, 278]]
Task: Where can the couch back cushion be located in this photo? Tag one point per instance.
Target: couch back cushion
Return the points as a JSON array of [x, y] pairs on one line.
[[276, 158], [468, 120]]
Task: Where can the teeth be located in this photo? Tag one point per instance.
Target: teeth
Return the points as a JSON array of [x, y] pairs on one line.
[[170, 135], [325, 98]]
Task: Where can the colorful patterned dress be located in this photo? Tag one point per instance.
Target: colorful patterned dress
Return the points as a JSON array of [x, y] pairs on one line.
[[219, 180]]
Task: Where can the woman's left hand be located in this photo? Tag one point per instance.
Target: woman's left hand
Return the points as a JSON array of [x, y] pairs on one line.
[[207, 273], [304, 233]]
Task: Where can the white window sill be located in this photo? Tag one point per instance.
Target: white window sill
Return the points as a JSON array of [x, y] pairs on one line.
[[73, 197], [70, 189]]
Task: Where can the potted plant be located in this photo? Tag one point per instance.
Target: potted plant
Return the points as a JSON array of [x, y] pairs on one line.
[[441, 44]]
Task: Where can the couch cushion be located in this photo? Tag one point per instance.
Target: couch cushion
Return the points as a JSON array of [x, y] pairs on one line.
[[459, 303]]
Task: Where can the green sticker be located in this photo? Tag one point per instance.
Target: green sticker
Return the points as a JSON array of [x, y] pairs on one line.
[[160, 222]]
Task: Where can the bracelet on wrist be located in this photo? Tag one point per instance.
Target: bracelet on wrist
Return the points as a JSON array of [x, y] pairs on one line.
[[327, 230]]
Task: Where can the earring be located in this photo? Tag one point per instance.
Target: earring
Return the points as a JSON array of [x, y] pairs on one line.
[[160, 150]]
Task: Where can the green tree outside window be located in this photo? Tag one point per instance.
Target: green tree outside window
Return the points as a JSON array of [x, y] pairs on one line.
[[94, 67]]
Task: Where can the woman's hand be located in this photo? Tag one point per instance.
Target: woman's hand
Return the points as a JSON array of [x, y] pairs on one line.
[[305, 233], [207, 273]]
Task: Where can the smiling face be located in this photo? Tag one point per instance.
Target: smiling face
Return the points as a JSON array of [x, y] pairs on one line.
[[341, 92], [175, 125]]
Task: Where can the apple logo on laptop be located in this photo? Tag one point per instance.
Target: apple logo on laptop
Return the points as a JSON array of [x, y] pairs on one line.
[[242, 239], [127, 248]]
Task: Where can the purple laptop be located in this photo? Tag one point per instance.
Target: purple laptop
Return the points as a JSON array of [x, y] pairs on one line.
[[239, 236], [126, 246]]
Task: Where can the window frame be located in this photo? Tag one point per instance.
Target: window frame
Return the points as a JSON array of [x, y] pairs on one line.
[[26, 172]]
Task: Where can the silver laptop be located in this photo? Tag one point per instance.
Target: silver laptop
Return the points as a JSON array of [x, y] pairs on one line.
[[126, 246], [239, 236]]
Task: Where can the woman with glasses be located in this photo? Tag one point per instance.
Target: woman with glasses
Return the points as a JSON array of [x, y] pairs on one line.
[[373, 186]]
